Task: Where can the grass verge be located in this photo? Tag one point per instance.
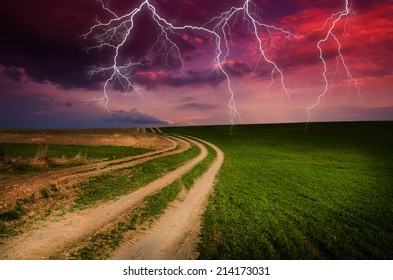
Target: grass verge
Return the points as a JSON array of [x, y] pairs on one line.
[[17, 216], [120, 182]]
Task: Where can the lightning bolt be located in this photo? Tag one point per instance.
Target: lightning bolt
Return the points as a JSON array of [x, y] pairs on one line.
[[115, 32], [330, 25]]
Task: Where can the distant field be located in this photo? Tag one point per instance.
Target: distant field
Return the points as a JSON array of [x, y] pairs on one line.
[[20, 157], [26, 150], [283, 193], [93, 152]]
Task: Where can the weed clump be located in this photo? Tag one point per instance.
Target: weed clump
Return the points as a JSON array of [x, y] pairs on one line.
[[2, 228], [44, 193], [42, 156], [5, 160], [26, 200], [53, 188], [78, 156], [14, 214]]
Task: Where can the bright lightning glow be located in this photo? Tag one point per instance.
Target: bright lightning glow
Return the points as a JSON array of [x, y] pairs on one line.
[[119, 29]]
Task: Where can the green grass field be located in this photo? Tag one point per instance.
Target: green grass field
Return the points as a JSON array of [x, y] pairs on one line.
[[286, 193]]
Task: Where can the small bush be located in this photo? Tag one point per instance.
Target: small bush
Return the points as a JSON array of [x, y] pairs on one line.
[[9, 215], [44, 193], [78, 156], [26, 200], [12, 215], [2, 228], [133, 222], [53, 188]]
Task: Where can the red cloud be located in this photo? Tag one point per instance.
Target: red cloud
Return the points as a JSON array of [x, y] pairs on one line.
[[366, 40], [152, 76], [198, 41], [195, 39]]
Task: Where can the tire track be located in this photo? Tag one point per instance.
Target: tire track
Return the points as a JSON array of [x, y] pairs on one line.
[[72, 175], [55, 237], [176, 234]]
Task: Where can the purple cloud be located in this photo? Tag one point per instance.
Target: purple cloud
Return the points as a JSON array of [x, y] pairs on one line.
[[134, 116]]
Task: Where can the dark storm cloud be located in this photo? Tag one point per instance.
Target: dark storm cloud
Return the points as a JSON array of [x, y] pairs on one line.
[[13, 73], [43, 37], [237, 68], [135, 117], [195, 78], [198, 106], [153, 79]]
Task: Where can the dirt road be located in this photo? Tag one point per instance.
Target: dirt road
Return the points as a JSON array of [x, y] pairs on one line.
[[27, 184], [52, 238], [176, 234]]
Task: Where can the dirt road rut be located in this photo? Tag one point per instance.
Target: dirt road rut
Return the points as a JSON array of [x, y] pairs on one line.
[[176, 234], [54, 237]]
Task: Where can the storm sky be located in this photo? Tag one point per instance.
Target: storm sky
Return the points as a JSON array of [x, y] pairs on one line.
[[44, 64]]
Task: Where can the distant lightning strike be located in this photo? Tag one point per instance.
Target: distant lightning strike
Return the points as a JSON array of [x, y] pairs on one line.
[[115, 33], [333, 20]]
